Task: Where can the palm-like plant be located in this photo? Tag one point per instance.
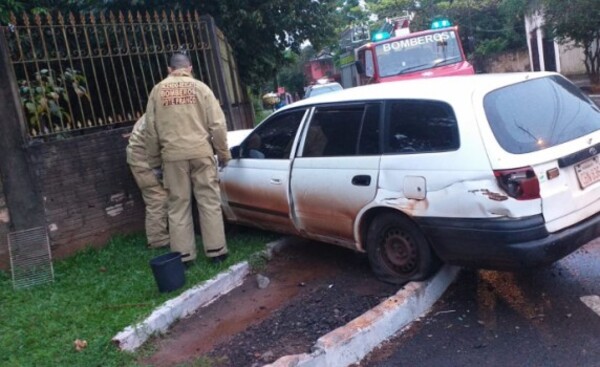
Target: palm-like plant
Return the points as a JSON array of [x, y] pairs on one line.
[[45, 96]]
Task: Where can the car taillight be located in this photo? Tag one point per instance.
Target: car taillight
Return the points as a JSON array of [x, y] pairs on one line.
[[519, 183]]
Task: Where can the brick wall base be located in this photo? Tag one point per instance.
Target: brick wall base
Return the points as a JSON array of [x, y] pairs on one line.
[[88, 191]]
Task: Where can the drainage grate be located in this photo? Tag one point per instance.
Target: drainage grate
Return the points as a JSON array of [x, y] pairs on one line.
[[30, 259]]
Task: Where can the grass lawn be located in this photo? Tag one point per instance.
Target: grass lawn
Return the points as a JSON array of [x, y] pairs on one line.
[[96, 294]]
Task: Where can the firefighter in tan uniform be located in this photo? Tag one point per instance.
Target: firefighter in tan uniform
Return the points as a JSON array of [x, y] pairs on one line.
[[154, 195], [186, 128]]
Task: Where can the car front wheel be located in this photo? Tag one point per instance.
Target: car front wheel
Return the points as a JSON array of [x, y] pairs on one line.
[[398, 251]]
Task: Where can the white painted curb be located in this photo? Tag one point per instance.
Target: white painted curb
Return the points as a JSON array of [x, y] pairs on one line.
[[181, 306], [352, 342]]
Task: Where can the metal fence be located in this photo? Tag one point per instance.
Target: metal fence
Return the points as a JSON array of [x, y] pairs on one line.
[[93, 71]]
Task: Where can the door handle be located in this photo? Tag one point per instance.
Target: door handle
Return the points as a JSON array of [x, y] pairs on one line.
[[361, 180], [275, 181]]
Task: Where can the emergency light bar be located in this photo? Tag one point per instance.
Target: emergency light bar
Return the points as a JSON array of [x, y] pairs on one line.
[[380, 36], [440, 23]]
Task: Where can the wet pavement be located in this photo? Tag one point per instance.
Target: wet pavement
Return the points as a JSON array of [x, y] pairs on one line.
[[539, 317]]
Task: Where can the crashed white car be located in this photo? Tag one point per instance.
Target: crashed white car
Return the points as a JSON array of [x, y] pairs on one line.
[[491, 171], [235, 137]]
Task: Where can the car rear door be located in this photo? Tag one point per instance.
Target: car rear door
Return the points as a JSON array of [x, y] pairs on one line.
[[254, 186], [549, 127], [336, 171]]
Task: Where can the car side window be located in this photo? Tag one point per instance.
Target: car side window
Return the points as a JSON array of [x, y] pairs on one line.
[[369, 67], [415, 126], [370, 132], [273, 138], [343, 131]]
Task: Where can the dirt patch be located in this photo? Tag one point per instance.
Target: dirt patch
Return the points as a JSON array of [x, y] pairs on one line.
[[314, 288]]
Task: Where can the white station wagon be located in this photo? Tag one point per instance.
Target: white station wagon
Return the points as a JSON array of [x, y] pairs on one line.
[[489, 171]]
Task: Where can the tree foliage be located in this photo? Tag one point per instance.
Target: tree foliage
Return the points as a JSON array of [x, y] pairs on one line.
[[352, 12], [258, 31], [8, 6], [579, 21], [291, 75], [486, 26]]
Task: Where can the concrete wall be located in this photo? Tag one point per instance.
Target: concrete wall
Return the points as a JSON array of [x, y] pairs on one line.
[[88, 191], [571, 59], [507, 62]]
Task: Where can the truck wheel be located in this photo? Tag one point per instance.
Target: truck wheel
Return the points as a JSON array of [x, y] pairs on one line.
[[398, 251]]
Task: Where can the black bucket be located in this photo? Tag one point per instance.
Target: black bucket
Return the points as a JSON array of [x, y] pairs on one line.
[[168, 271]]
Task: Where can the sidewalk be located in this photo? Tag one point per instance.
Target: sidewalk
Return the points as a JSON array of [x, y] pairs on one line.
[[583, 82]]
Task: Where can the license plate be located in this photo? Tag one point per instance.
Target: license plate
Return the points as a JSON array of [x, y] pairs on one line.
[[588, 172]]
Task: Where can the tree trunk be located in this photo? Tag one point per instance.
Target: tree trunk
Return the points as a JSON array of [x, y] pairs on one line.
[[595, 77], [591, 63]]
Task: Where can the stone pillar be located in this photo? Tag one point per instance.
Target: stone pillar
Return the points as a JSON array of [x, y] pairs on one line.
[[4, 229], [22, 200]]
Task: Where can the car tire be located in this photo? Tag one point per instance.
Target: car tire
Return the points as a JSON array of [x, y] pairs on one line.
[[398, 251]]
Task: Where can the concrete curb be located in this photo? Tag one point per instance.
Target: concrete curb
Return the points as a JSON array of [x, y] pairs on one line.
[[351, 343], [181, 306], [341, 347], [189, 301]]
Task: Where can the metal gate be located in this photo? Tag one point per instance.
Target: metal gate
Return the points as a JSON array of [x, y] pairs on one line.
[[82, 73]]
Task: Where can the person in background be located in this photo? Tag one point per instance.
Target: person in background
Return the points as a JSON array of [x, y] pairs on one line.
[[154, 195], [254, 144], [281, 102], [186, 128]]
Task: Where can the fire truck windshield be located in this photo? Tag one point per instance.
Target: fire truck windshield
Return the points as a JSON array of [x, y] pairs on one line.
[[399, 56]]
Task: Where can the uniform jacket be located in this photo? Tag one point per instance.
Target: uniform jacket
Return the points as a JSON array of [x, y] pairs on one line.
[[184, 121], [136, 149]]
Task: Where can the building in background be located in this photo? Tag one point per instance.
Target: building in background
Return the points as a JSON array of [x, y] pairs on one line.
[[320, 67], [545, 54]]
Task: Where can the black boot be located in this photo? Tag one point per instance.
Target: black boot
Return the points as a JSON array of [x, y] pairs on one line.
[[219, 259]]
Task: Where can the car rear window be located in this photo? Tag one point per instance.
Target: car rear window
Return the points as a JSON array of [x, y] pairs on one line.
[[540, 113]]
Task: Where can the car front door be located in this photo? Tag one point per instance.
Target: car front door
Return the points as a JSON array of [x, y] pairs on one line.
[[335, 173], [254, 186]]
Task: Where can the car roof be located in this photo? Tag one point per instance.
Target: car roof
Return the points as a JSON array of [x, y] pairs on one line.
[[235, 137], [442, 88], [317, 86]]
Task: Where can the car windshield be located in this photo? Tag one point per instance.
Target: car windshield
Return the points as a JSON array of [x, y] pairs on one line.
[[324, 89], [540, 113], [418, 53]]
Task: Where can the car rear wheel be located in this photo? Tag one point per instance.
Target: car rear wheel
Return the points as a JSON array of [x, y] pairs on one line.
[[398, 251]]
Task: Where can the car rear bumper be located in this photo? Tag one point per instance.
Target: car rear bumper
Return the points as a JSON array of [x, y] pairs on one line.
[[502, 243]]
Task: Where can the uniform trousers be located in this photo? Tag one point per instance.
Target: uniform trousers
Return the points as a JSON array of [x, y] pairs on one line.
[[155, 200], [200, 176]]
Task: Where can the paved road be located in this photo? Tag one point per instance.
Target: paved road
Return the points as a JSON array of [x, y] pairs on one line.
[[546, 317]]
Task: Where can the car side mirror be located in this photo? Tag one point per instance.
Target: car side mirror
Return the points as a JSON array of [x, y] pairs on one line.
[[235, 152], [359, 67]]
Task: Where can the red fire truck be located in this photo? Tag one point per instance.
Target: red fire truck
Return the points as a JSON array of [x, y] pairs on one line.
[[430, 53]]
